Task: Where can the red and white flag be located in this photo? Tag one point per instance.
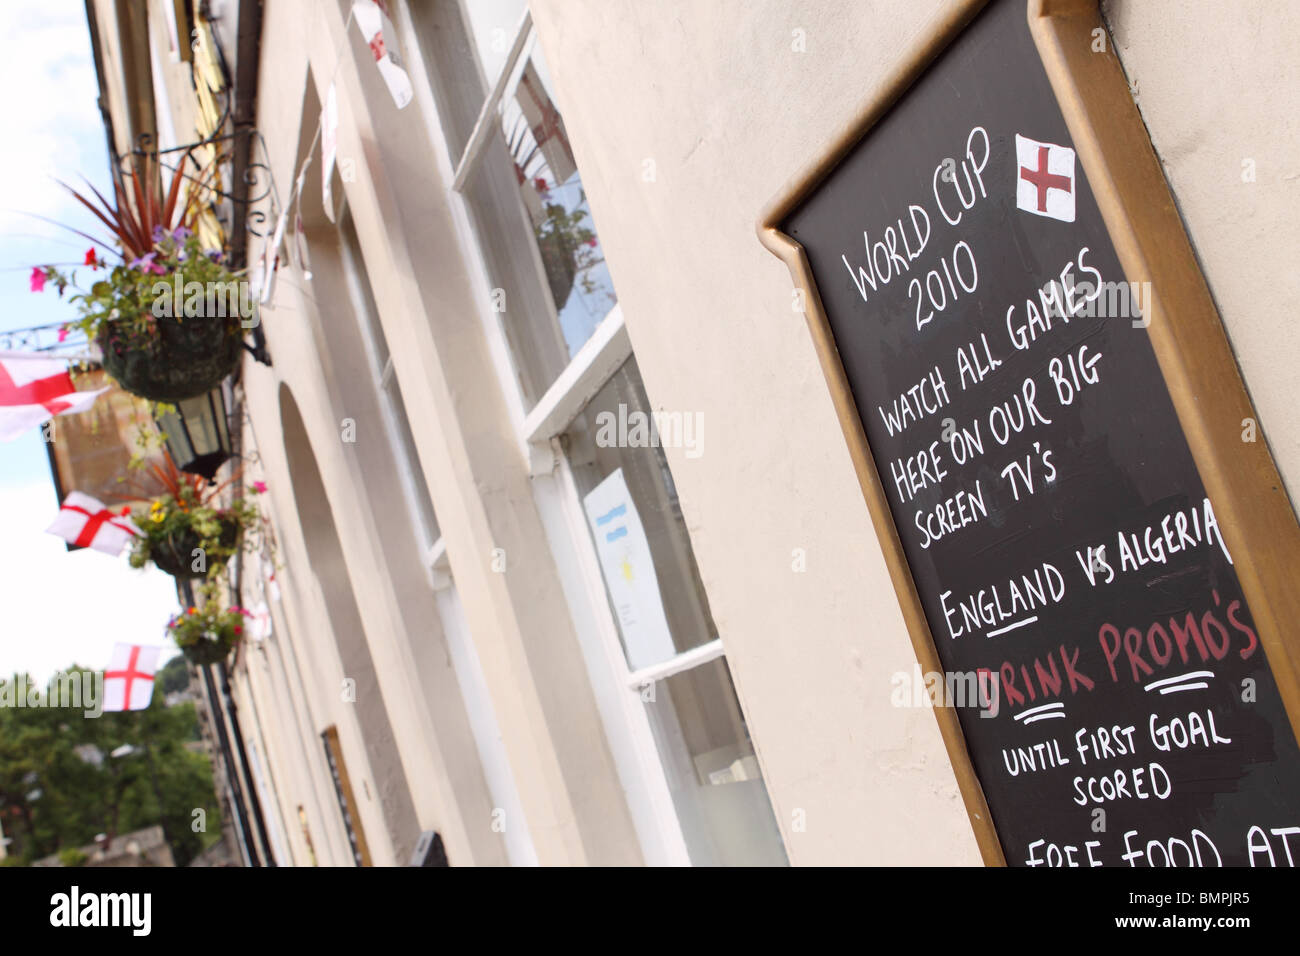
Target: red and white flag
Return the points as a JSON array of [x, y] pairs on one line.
[[128, 679], [272, 585], [377, 29], [261, 623], [329, 148], [85, 522], [1045, 178], [33, 389]]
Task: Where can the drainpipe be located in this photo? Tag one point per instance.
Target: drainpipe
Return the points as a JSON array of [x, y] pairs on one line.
[[217, 713], [244, 117], [254, 802]]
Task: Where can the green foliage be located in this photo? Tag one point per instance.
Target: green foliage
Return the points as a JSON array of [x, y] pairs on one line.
[[172, 677], [568, 249], [134, 294], [71, 856], [185, 521], [207, 634], [186, 513], [59, 786]]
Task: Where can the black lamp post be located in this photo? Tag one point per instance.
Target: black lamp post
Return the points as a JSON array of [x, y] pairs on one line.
[[197, 433]]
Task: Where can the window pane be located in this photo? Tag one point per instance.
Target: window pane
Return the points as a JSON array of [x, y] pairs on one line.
[[493, 23], [546, 270], [576, 275], [636, 522], [569, 274], [713, 774]]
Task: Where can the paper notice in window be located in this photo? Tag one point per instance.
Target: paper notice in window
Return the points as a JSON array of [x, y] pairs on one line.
[[629, 572]]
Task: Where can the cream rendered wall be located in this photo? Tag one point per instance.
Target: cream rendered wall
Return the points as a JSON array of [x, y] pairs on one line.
[[686, 119], [1217, 84]]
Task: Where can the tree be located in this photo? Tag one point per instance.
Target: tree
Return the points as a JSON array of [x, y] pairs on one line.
[[173, 676], [60, 784]]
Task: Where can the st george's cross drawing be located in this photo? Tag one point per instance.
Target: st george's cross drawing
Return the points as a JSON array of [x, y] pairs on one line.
[[1044, 179]]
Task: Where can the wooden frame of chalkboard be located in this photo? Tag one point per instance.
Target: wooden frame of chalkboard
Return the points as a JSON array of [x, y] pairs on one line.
[[1200, 372]]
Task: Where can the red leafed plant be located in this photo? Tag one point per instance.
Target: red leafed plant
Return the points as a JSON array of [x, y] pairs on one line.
[[141, 209], [170, 480]]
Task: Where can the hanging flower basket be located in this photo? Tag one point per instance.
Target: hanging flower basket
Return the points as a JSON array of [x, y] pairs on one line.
[[168, 324], [182, 358], [176, 525], [174, 553], [207, 634], [186, 514], [168, 315]]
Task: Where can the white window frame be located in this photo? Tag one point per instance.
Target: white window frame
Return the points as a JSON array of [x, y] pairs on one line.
[[616, 686]]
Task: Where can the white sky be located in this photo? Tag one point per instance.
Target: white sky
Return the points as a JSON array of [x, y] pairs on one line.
[[56, 607]]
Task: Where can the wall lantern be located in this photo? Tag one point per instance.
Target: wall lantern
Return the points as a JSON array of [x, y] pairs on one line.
[[197, 433]]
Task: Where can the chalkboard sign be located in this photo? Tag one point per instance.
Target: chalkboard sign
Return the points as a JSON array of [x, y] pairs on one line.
[[1033, 482]]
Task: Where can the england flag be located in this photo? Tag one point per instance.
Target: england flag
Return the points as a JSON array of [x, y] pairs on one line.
[[261, 623], [372, 21], [1045, 179], [33, 389], [128, 679], [329, 147], [86, 523]]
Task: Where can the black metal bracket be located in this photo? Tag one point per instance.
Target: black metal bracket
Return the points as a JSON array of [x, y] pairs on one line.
[[253, 174], [258, 348]]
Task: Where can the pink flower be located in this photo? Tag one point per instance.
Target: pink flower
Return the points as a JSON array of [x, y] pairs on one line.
[[63, 333], [37, 281], [146, 264], [259, 487]]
